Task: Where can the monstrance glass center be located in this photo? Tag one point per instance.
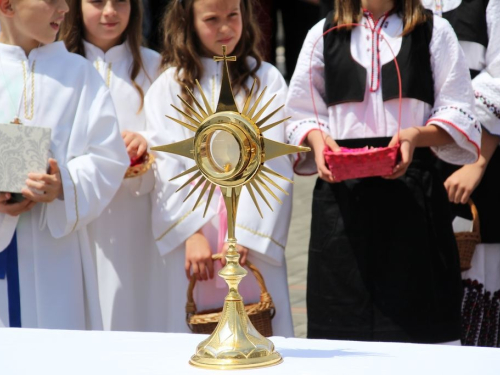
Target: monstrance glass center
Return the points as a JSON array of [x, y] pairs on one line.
[[227, 149], [224, 151]]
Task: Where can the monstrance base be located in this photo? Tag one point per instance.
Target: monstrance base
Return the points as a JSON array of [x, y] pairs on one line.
[[235, 343], [235, 364]]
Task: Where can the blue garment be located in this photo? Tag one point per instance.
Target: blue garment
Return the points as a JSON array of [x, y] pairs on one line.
[[9, 267]]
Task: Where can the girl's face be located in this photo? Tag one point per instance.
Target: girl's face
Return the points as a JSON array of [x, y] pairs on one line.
[[37, 21], [217, 23], [105, 21]]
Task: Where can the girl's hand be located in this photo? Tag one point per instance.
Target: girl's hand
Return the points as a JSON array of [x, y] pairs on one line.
[[462, 183], [136, 144], [198, 258], [317, 143], [14, 209], [243, 251], [47, 186], [408, 140]]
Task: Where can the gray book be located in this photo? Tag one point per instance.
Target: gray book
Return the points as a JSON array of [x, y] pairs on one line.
[[23, 150]]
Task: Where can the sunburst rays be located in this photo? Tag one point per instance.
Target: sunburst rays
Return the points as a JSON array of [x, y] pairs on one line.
[[262, 182]]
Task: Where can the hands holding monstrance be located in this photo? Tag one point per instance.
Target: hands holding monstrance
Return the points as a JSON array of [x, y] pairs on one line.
[[229, 150]]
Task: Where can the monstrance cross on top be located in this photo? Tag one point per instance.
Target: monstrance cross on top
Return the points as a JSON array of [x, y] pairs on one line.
[[226, 99]]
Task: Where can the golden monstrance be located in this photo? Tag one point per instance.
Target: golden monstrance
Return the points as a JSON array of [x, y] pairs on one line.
[[229, 151]]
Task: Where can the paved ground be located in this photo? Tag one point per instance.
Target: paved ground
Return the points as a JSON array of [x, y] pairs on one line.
[[298, 238], [296, 251]]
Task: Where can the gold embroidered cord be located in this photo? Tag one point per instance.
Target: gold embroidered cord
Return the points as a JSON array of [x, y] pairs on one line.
[[108, 78], [213, 92], [28, 114], [179, 221], [261, 235], [76, 202], [108, 75]]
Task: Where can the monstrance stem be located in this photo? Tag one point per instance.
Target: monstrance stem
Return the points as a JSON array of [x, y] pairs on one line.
[[232, 272]]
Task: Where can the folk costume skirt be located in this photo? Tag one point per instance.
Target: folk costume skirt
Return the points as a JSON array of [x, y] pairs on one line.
[[383, 261]]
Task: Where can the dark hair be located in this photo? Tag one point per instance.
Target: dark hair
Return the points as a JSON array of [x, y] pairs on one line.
[[350, 11], [182, 48], [72, 31]]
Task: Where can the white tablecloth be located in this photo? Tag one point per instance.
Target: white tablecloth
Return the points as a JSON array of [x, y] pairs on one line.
[[53, 352]]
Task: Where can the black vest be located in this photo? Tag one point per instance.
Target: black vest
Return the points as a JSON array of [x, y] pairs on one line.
[[469, 22], [345, 79]]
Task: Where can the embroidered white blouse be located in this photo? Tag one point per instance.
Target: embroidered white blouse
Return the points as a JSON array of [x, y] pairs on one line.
[[487, 60], [452, 110]]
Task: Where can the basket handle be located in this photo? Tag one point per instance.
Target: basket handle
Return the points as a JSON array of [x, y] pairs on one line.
[[265, 298], [395, 63], [475, 215]]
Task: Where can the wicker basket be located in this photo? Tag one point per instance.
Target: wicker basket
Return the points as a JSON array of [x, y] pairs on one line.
[[467, 241], [139, 169], [260, 313]]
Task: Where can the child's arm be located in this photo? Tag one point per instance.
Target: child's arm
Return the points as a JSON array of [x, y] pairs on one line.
[[14, 209], [96, 161], [137, 146], [316, 140], [463, 182], [42, 187], [453, 109], [411, 138], [135, 143], [199, 261], [299, 105], [173, 221]]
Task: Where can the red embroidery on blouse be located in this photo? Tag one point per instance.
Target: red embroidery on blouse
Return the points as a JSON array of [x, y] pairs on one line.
[[375, 27]]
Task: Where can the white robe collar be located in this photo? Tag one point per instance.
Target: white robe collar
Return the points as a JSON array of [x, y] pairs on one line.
[[114, 54], [441, 6], [16, 53], [213, 67], [212, 77]]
